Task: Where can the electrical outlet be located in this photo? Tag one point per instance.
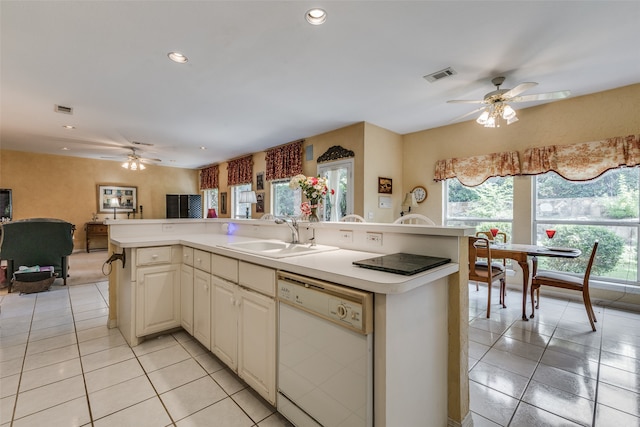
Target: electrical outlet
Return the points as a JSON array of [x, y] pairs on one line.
[[374, 239], [345, 236], [167, 227]]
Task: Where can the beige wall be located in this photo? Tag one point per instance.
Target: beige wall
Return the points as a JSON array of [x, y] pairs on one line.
[[580, 119], [66, 187], [383, 158], [351, 138]]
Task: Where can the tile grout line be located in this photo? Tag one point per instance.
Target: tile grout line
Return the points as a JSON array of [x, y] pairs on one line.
[[84, 379], [24, 359]]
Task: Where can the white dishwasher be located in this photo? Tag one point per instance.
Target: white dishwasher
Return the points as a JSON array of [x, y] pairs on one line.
[[325, 353]]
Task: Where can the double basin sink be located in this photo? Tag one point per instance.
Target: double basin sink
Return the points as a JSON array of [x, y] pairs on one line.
[[277, 248]]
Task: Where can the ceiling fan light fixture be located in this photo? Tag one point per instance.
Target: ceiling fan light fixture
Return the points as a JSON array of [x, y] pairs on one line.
[[133, 165], [512, 120], [316, 16], [508, 113], [483, 117]]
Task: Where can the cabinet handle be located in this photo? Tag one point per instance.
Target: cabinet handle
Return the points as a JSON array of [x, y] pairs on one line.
[[206, 287], [232, 301], [154, 256]]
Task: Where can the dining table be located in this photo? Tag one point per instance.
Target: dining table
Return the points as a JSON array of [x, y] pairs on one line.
[[521, 253]]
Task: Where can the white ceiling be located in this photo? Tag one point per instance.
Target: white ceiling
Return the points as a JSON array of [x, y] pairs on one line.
[[259, 75]]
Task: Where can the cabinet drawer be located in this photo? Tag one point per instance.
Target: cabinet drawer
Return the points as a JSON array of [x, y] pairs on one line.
[[187, 255], [258, 278], [202, 260], [155, 255], [97, 229], [225, 267]]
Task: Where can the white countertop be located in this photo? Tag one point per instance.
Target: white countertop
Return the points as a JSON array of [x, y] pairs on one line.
[[333, 266]]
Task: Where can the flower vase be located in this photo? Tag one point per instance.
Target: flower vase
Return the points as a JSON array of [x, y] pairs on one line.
[[313, 216]]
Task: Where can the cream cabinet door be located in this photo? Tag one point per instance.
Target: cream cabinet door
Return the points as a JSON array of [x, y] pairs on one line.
[[257, 343], [157, 299], [224, 321], [186, 298], [202, 307]]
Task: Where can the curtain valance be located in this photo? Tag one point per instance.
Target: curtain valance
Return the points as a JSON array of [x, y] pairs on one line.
[[472, 171], [583, 161], [209, 177], [240, 171], [284, 161]]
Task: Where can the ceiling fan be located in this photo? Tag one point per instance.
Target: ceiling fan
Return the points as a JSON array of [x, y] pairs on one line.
[[134, 161], [495, 105]]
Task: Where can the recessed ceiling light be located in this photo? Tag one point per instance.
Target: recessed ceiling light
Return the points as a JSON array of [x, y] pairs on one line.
[[316, 16], [177, 57], [65, 149], [68, 126], [203, 148]]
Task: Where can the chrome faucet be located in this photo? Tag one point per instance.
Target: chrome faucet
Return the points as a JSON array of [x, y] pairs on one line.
[[293, 225]]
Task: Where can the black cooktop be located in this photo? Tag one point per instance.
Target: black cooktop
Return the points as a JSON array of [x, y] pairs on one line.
[[402, 263]]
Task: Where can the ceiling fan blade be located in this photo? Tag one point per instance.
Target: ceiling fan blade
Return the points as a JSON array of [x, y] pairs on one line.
[[468, 114], [147, 160], [465, 101], [519, 89], [542, 96]]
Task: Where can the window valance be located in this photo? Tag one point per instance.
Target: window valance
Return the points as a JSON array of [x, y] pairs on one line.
[[472, 171], [209, 177], [284, 161], [583, 161], [240, 171]]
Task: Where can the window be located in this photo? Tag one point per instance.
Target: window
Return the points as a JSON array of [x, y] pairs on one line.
[[284, 200], [211, 200], [604, 209], [488, 205], [339, 177], [239, 210]]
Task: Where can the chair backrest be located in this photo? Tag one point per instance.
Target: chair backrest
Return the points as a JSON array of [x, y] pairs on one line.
[[352, 218], [414, 219], [477, 244], [499, 235]]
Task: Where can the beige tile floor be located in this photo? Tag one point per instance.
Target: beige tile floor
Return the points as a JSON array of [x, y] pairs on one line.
[[61, 366], [552, 370]]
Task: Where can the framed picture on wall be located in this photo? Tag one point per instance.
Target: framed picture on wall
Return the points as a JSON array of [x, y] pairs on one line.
[[223, 203], [120, 198], [385, 185], [260, 202], [260, 181]]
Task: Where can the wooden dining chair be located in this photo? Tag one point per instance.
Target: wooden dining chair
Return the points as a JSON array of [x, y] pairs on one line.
[[566, 281], [500, 236], [352, 218], [485, 271], [414, 219]]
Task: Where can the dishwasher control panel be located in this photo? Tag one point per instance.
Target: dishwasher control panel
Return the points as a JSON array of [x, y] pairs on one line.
[[332, 302]]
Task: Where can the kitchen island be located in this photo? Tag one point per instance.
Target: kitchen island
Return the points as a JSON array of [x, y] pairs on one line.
[[418, 368]]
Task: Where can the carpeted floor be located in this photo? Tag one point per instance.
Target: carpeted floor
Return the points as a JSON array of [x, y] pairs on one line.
[[83, 268]]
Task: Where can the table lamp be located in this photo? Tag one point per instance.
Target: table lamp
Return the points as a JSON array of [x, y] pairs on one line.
[[248, 197], [410, 201], [114, 204]]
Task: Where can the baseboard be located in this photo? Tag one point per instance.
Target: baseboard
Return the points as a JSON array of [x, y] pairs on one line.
[[467, 422]]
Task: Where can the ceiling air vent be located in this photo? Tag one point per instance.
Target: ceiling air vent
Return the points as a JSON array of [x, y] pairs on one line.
[[439, 75], [63, 109]]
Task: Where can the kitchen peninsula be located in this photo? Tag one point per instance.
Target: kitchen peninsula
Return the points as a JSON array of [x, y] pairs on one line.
[[419, 365]]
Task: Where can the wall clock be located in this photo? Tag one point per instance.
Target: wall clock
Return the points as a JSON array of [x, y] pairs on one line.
[[420, 192]]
